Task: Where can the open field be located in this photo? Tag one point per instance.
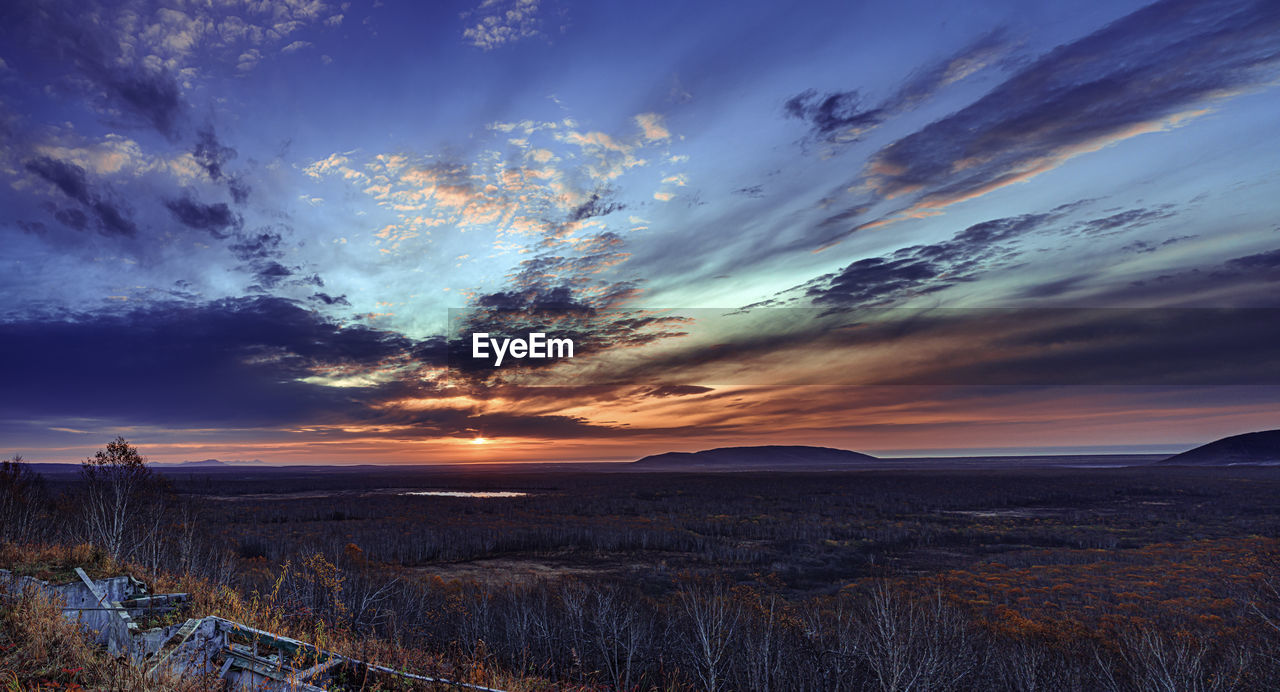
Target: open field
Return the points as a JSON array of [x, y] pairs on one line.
[[1082, 565]]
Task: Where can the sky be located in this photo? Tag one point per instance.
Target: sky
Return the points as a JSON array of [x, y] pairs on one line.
[[258, 229]]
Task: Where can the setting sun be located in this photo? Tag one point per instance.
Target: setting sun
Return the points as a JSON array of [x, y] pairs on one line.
[[478, 441]]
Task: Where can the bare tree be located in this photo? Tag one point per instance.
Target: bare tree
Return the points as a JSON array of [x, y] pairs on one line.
[[833, 632], [1179, 662], [1265, 601], [573, 601], [712, 615], [760, 659], [116, 486], [22, 493], [620, 630], [1028, 663], [916, 644]]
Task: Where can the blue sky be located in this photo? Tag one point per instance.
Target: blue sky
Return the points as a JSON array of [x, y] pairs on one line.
[[289, 196]]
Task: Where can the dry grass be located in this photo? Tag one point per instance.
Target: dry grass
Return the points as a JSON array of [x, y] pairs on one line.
[[42, 650]]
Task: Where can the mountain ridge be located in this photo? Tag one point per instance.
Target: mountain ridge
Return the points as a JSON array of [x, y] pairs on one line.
[[205, 463], [1254, 448], [758, 457]]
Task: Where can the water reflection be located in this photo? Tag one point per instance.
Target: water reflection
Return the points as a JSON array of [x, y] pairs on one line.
[[467, 493]]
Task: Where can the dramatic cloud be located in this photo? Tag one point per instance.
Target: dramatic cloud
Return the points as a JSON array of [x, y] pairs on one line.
[[236, 361], [1147, 72], [608, 181], [958, 346]]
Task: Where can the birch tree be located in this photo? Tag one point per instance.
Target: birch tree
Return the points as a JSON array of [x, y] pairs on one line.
[[116, 484]]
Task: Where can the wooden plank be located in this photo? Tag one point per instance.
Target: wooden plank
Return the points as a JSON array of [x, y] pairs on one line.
[[93, 588], [319, 668]]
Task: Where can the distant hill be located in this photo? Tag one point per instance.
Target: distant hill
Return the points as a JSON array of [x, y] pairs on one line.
[[755, 458], [204, 464], [1249, 448]]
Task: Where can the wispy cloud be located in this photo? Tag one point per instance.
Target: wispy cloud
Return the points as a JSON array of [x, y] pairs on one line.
[[1151, 71], [652, 126]]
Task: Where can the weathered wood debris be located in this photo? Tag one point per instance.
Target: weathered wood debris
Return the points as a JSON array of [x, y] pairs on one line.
[[116, 611]]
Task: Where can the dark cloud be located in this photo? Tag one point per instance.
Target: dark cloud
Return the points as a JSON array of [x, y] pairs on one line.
[[217, 219], [331, 300], [560, 294], [67, 177], [670, 390], [593, 327], [1262, 262], [112, 220], [241, 363], [1143, 246], [229, 361], [1126, 220], [996, 230], [1157, 63], [939, 346], [843, 116], [1128, 346], [260, 252], [71, 180], [532, 299], [33, 227], [1055, 288], [871, 280], [239, 190], [923, 268], [72, 218], [152, 95], [1246, 281], [837, 116], [595, 206], [68, 36], [211, 154], [256, 246], [270, 274]]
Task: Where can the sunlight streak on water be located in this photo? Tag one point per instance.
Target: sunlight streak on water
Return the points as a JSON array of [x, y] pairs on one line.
[[467, 493]]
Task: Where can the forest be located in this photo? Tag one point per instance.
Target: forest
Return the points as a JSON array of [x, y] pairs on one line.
[[1140, 578]]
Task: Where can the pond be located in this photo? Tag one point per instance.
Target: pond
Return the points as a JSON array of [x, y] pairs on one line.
[[467, 493]]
